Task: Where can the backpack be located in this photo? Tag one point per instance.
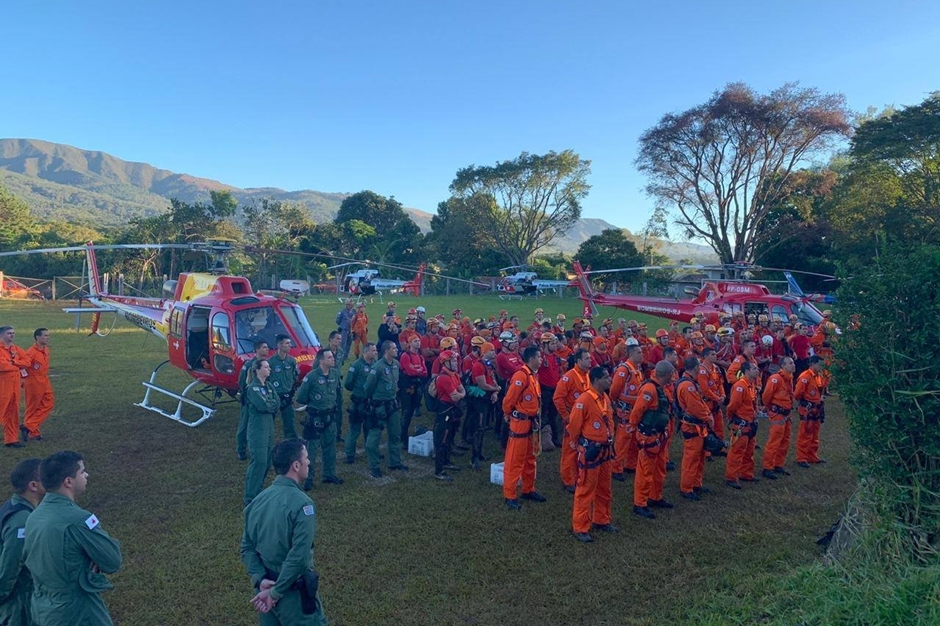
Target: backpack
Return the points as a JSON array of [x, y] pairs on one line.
[[431, 403]]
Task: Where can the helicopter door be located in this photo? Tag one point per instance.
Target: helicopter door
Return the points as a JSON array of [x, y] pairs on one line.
[[197, 338], [223, 351]]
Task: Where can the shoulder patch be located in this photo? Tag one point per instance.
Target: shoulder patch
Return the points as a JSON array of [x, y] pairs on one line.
[[305, 378], [579, 405], [308, 510], [518, 383], [256, 388], [21, 533], [91, 522], [564, 378], [597, 425], [647, 397]]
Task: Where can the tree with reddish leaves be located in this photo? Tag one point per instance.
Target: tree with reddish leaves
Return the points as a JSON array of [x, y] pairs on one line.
[[725, 165]]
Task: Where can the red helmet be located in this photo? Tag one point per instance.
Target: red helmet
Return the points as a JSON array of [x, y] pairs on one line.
[[447, 356]]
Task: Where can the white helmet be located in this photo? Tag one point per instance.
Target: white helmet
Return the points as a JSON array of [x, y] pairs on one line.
[[767, 340], [632, 342]]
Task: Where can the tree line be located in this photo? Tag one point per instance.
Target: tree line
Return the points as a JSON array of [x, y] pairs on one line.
[[790, 178]]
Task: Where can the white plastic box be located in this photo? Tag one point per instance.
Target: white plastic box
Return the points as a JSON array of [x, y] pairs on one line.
[[496, 474], [422, 445]]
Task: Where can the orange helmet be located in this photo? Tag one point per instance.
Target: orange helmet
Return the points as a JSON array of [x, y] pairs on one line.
[[448, 343], [662, 332]]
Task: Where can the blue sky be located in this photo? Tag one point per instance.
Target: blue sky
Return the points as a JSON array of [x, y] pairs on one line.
[[396, 96]]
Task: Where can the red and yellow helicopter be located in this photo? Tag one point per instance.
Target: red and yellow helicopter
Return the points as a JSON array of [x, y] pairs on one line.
[[715, 297], [209, 320]]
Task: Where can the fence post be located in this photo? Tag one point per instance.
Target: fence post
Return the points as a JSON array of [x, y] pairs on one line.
[[447, 288], [120, 282], [53, 287]]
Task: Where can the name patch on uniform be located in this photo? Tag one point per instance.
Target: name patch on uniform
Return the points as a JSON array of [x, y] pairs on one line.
[[91, 522], [308, 510], [21, 533]]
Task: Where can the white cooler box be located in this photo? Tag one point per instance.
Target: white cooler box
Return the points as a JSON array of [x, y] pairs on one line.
[[422, 445], [496, 474]]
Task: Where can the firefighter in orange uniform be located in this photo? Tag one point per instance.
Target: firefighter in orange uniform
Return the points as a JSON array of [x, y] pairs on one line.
[[591, 433], [573, 383], [778, 399], [36, 386], [748, 350], [521, 412], [623, 391], [13, 363], [812, 410], [360, 328], [650, 418], [695, 421], [712, 388], [742, 418]]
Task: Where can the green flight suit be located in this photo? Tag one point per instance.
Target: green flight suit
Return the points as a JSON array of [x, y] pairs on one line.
[[356, 378], [263, 403], [319, 392], [382, 389], [280, 525], [241, 435], [64, 544], [16, 585], [284, 374]]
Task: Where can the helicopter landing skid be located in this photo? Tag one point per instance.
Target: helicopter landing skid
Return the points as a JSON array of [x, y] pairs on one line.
[[181, 399]]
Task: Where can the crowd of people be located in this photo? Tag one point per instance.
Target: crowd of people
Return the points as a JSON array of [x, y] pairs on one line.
[[610, 394], [606, 394]]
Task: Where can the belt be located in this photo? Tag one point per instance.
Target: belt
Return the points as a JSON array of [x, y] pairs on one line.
[[513, 435], [522, 416], [689, 419], [776, 408]]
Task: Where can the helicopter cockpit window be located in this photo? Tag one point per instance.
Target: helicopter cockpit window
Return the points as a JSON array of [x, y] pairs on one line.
[[779, 313], [298, 322], [807, 314], [221, 341]]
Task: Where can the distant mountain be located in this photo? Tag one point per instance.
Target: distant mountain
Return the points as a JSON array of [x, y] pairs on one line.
[[95, 188]]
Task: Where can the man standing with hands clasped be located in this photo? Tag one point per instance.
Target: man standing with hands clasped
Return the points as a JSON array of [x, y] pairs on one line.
[[67, 551], [521, 413], [277, 545]]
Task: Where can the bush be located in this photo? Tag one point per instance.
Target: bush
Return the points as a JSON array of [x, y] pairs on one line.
[[889, 379]]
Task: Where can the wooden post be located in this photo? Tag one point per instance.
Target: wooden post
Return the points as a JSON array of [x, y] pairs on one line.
[[53, 287]]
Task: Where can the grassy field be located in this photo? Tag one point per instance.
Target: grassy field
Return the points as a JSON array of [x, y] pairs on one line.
[[408, 549]]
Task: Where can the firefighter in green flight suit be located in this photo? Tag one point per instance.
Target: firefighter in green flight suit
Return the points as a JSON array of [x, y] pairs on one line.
[[284, 374], [241, 436], [319, 391], [277, 544], [356, 378], [16, 585], [263, 404], [67, 551], [381, 389]]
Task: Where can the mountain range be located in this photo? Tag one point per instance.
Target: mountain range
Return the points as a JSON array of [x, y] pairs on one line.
[[100, 190]]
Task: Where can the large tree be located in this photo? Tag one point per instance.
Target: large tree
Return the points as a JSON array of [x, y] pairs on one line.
[[723, 165], [611, 249], [394, 235], [535, 197], [457, 241], [15, 220]]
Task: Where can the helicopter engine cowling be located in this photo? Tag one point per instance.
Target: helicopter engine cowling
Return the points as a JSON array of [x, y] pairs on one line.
[[169, 289]]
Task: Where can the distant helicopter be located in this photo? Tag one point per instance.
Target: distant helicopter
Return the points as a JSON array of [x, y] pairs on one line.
[[730, 296], [367, 282], [209, 320], [526, 283]]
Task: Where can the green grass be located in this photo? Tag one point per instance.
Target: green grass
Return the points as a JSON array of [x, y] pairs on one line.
[[409, 550]]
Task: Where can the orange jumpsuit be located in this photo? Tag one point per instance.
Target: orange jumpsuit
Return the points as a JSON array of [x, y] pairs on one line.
[[713, 392], [623, 391], [742, 413], [735, 367], [591, 425], [778, 398], [651, 461], [569, 389], [38, 390], [360, 326], [807, 392], [12, 361], [696, 419], [820, 343], [521, 406]]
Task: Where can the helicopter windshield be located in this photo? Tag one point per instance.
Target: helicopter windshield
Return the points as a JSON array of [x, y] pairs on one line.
[[806, 313], [264, 324]]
